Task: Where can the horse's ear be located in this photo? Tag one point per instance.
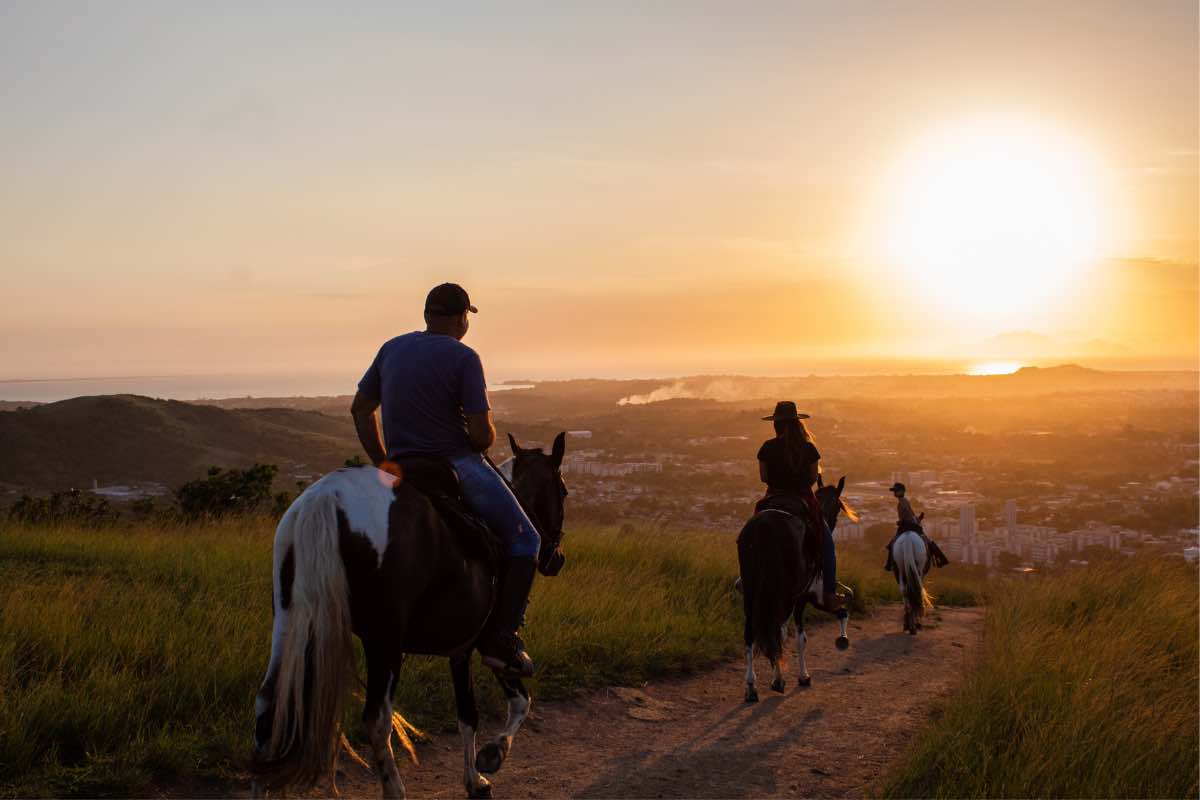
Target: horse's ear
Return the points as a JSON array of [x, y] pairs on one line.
[[560, 447], [841, 484], [516, 451]]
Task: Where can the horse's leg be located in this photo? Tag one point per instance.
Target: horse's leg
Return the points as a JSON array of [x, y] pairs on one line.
[[777, 682], [468, 724], [493, 754], [803, 678], [264, 701], [748, 636], [842, 641], [377, 717]]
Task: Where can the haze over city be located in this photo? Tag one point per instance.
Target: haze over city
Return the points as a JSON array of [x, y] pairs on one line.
[[625, 192]]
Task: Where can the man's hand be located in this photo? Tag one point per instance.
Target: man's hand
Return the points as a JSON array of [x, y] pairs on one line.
[[367, 427], [481, 431]]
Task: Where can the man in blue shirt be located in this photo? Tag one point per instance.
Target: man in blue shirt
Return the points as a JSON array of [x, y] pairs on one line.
[[434, 404]]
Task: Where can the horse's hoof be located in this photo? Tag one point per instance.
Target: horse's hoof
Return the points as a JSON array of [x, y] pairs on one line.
[[489, 759], [483, 791], [751, 694], [842, 643], [804, 681], [912, 631], [777, 685]]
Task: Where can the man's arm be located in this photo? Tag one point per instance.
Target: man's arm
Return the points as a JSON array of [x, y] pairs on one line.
[[367, 426], [480, 430]]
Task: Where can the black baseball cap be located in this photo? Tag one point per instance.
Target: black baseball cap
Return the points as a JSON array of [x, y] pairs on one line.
[[897, 487], [448, 299]]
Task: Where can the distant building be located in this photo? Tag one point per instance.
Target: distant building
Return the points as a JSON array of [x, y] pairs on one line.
[[847, 531], [581, 465], [914, 479], [1010, 516], [942, 529], [966, 522]]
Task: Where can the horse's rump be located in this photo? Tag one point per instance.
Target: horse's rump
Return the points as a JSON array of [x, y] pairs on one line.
[[772, 562], [911, 558]]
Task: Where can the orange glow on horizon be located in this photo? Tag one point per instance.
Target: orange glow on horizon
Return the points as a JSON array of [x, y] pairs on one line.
[[994, 368]]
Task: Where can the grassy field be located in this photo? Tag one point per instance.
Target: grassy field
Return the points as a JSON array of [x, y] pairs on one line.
[[1087, 686], [130, 658]]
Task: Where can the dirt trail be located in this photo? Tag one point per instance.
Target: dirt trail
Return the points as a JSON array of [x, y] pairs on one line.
[[695, 737]]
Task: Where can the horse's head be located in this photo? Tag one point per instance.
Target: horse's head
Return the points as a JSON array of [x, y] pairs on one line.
[[537, 481], [831, 502]]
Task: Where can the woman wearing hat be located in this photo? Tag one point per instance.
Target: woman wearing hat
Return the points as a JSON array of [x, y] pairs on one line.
[[789, 465]]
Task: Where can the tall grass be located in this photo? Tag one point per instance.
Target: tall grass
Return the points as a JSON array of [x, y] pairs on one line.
[[131, 657], [1087, 686]]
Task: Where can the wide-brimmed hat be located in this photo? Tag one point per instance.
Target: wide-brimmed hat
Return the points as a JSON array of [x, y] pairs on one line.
[[786, 409], [897, 487]]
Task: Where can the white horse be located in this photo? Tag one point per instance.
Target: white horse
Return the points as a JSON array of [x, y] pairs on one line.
[[911, 559]]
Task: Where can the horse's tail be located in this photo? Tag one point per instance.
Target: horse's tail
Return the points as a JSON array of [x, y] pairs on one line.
[[775, 554], [318, 647], [914, 588]]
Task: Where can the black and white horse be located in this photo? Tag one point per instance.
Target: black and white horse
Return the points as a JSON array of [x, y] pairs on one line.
[[780, 565], [911, 559], [361, 552]]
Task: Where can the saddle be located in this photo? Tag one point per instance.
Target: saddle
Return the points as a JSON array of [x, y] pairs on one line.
[[436, 479], [795, 506]]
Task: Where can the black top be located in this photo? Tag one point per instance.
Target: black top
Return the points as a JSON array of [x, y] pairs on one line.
[[781, 478]]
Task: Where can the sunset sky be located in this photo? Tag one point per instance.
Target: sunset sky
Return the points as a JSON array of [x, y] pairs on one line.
[[631, 189]]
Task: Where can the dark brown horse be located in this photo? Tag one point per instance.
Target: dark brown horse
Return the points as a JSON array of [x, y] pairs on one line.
[[780, 564], [363, 553]]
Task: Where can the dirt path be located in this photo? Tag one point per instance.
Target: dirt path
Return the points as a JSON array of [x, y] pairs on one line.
[[695, 737]]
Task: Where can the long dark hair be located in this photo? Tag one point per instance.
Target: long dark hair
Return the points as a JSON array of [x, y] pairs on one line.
[[795, 435]]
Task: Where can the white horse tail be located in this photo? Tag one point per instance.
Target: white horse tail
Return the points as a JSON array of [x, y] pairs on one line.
[[316, 656], [912, 587]]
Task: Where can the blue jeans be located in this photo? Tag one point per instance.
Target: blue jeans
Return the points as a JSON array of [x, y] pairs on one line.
[[489, 497], [829, 567]]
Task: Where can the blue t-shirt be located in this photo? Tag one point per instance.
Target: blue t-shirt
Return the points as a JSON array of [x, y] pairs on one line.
[[426, 384]]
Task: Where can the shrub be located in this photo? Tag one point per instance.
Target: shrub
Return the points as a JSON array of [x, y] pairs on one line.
[[224, 492], [72, 506]]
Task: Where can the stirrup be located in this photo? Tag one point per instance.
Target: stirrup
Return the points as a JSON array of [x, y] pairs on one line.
[[506, 655], [520, 668]]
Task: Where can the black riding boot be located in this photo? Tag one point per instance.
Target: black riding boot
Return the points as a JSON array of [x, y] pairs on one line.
[[891, 563], [500, 646], [939, 558]]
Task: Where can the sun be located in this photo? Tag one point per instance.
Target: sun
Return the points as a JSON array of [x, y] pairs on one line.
[[993, 219]]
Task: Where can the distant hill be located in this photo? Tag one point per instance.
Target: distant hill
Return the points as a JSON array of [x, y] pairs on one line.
[[578, 397], [123, 438], [16, 405]]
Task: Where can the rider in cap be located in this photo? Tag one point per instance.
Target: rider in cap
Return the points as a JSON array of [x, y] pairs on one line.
[[433, 401], [789, 464], [907, 520]]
